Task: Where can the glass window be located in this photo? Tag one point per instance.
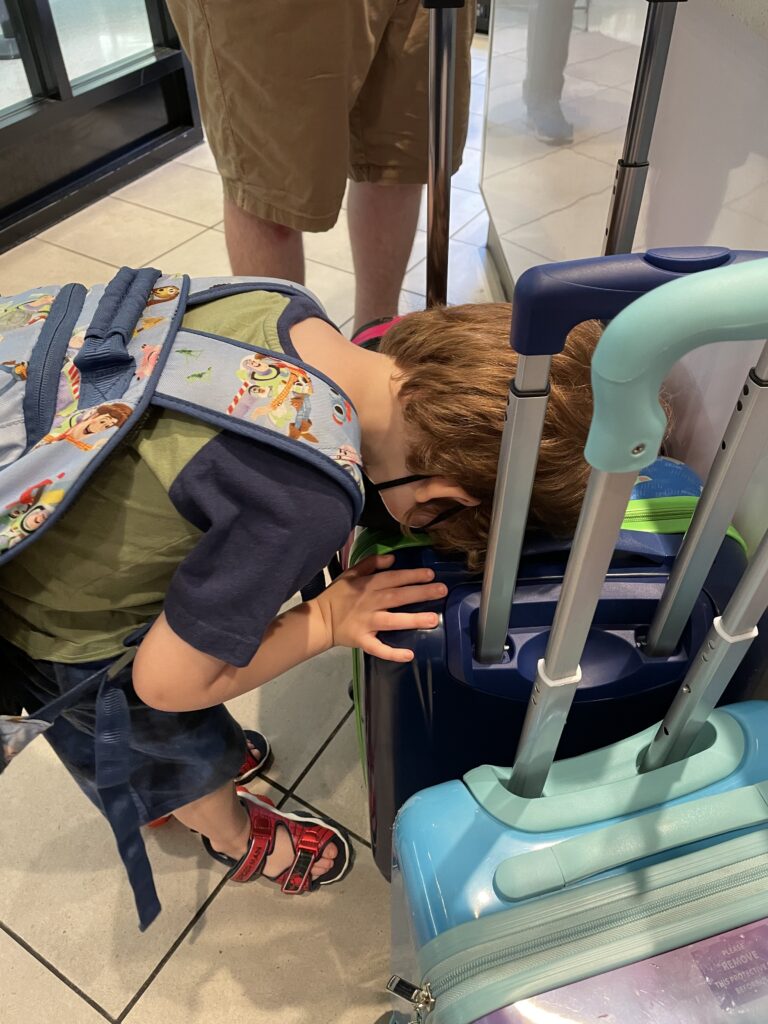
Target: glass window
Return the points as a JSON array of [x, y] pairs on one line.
[[14, 87], [559, 88], [97, 33]]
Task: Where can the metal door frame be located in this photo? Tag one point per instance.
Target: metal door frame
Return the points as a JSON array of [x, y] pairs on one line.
[[55, 98]]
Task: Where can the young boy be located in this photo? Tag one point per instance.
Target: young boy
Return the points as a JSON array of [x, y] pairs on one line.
[[194, 538]]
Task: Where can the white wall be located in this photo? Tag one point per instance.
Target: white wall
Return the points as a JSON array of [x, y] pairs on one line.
[[709, 185]]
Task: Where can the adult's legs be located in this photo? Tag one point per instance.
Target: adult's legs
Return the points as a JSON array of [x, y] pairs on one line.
[[549, 32], [382, 221], [260, 248], [389, 146]]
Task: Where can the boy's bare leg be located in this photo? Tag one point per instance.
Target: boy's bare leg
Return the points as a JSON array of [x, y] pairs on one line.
[[224, 821], [382, 225], [259, 248]]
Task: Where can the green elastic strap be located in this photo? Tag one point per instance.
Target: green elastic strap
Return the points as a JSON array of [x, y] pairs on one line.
[[667, 515], [373, 542], [384, 542], [643, 515]]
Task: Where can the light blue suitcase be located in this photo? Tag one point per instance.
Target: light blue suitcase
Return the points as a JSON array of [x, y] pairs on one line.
[[516, 881]]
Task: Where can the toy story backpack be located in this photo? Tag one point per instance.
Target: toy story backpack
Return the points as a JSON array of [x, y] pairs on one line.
[[79, 368]]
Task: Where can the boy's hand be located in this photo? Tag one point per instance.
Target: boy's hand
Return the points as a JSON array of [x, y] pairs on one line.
[[356, 606]]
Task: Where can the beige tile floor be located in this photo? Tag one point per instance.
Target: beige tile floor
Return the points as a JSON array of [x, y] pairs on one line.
[[69, 947]]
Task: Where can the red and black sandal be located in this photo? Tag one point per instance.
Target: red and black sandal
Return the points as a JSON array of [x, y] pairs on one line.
[[258, 757], [309, 835]]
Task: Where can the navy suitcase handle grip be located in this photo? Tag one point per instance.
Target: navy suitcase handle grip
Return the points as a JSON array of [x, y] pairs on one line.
[[550, 300]]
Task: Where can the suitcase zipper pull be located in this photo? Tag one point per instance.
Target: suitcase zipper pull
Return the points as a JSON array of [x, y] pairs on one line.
[[421, 998]]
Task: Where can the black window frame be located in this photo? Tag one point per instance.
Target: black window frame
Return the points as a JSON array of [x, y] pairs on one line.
[[161, 76]]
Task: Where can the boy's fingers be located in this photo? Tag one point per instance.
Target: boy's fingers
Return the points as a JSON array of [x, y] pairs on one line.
[[370, 565], [380, 650], [404, 578], [407, 620], [396, 598]]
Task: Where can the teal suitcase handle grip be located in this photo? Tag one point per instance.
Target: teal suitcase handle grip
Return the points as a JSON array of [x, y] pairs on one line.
[[642, 344], [554, 867]]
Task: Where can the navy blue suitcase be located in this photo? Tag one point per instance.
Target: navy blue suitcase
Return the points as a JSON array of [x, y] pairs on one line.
[[513, 881], [449, 710]]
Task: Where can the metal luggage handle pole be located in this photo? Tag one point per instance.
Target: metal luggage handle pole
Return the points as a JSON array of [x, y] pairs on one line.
[[625, 436], [728, 640], [442, 74], [742, 448], [518, 456], [632, 167], [558, 673]]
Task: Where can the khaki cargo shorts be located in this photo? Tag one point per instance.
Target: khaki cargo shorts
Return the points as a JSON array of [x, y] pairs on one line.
[[297, 95]]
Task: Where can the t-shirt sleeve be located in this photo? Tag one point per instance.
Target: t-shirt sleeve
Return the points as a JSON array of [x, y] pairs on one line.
[[269, 524]]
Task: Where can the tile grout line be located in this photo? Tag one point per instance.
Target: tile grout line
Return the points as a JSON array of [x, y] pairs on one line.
[[56, 972], [190, 239], [194, 167], [455, 237], [131, 1004], [597, 159], [527, 248], [571, 147], [329, 266], [313, 760], [65, 248], [323, 814], [151, 209], [270, 782], [115, 266], [548, 213]]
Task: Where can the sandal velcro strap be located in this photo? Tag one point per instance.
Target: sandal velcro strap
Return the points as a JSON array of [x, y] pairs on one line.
[[259, 847], [297, 878]]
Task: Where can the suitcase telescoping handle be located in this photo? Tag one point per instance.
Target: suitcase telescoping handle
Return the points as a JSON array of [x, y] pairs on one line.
[[443, 17], [645, 835], [548, 302], [631, 360], [728, 640]]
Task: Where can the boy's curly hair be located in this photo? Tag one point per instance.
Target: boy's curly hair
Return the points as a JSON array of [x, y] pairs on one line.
[[456, 365]]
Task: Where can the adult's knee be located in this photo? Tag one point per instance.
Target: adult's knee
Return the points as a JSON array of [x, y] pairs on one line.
[[236, 216], [277, 232]]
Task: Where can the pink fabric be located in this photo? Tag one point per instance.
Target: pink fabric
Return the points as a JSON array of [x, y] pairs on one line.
[[375, 331]]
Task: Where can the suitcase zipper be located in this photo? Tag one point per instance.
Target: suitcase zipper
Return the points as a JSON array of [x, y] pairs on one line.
[[421, 999], [442, 989]]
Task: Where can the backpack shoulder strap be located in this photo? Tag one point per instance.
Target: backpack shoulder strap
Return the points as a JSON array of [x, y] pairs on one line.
[[90, 371], [275, 399], [208, 289], [25, 326]]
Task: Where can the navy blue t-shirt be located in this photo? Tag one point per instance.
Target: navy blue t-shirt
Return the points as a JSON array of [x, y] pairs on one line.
[[270, 523]]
